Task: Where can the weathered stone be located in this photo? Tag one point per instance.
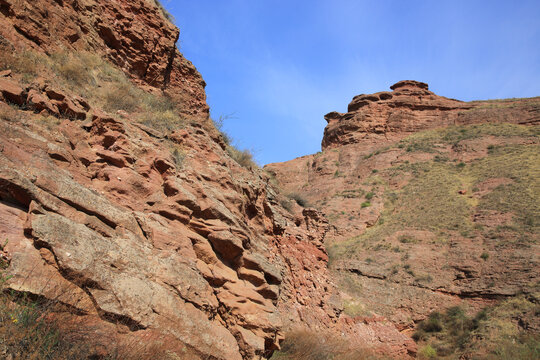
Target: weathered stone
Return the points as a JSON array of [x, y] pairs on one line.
[[40, 102], [11, 91]]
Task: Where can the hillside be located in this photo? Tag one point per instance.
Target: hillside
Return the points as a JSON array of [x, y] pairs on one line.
[[433, 202]]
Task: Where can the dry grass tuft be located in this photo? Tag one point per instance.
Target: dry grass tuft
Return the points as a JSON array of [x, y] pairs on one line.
[[307, 345], [242, 157], [98, 81], [27, 63]]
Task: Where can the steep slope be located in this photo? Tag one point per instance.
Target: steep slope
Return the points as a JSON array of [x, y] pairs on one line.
[[433, 202], [121, 202]]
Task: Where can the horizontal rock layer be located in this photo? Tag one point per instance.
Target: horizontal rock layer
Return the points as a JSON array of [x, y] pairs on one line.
[[411, 107]]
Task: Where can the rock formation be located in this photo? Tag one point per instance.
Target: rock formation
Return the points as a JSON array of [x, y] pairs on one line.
[[409, 108], [150, 237], [134, 35]]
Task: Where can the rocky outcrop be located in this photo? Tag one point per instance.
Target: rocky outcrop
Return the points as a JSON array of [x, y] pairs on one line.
[[411, 107], [146, 237], [134, 35]]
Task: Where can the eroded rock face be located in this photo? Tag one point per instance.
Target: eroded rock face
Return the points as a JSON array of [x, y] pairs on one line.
[[132, 34], [103, 219], [412, 267], [409, 108], [151, 238]]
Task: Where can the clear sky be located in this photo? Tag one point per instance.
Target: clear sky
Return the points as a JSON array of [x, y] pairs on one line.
[[279, 65]]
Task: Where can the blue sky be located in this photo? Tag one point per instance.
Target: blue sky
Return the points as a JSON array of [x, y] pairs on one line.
[[278, 66]]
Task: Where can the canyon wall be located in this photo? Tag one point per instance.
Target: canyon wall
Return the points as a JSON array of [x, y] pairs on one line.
[[147, 236]]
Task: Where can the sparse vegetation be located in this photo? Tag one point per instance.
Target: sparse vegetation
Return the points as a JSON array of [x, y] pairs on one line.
[[491, 333], [27, 63], [98, 81], [307, 345], [33, 327], [427, 352], [355, 308], [105, 86], [430, 141], [404, 239], [164, 11], [9, 113], [286, 204], [244, 157], [178, 157], [431, 201], [351, 193]]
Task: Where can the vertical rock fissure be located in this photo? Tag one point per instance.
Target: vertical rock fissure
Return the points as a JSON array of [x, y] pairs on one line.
[[170, 62]]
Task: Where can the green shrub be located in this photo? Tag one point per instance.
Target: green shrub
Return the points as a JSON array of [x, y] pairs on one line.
[[484, 256], [433, 323], [365, 204], [427, 352]]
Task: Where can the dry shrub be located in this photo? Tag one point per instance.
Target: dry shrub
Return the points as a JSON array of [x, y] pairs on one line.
[[165, 13], [27, 63], [120, 96], [29, 328], [308, 345], [9, 113], [106, 86], [242, 157], [37, 328], [76, 68], [286, 204], [98, 81]]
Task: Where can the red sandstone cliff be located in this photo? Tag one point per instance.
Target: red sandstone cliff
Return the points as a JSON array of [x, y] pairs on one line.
[[145, 235]]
